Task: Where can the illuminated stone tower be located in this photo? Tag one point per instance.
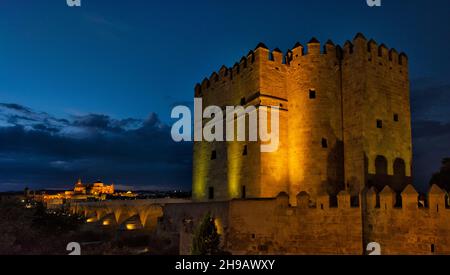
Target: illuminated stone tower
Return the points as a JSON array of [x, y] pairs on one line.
[[344, 122]]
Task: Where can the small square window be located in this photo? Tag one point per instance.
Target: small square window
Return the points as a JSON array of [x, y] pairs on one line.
[[396, 117], [379, 124], [312, 94], [324, 143], [214, 155], [245, 152], [243, 101]]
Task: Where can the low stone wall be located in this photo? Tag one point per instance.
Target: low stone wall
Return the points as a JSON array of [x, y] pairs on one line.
[[270, 226], [273, 226]]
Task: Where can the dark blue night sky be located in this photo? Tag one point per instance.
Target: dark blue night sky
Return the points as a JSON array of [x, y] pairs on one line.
[[87, 92]]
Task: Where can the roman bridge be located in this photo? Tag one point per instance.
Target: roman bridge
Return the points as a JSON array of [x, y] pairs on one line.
[[123, 215]]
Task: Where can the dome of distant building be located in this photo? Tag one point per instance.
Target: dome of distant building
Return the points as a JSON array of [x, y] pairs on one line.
[[79, 188]]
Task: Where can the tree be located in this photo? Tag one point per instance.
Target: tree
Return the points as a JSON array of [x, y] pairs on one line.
[[442, 178], [206, 240]]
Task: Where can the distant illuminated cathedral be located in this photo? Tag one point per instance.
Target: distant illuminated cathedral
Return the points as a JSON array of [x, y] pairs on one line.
[[97, 188]]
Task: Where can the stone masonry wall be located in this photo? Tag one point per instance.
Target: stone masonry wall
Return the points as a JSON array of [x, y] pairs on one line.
[[273, 226]]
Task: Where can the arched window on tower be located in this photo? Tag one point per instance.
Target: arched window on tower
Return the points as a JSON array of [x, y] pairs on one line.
[[399, 168], [381, 165], [399, 180]]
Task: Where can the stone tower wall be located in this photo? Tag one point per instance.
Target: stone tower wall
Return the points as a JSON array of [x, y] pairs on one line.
[[315, 129], [331, 101], [376, 90]]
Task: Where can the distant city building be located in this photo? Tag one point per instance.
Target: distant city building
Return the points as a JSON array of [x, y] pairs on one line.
[[97, 188], [81, 192], [79, 188]]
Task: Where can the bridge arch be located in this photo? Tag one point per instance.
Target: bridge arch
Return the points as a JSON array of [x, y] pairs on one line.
[[132, 223], [108, 220]]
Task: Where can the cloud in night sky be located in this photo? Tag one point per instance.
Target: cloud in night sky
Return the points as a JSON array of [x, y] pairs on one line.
[[39, 150]]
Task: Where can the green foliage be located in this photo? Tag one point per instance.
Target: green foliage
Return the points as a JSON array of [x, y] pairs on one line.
[[442, 178], [206, 240]]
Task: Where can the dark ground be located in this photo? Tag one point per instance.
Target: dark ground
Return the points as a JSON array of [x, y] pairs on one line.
[[36, 231]]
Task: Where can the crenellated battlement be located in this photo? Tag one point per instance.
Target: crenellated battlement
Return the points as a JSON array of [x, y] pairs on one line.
[[376, 54], [329, 225], [386, 199], [261, 56], [225, 75]]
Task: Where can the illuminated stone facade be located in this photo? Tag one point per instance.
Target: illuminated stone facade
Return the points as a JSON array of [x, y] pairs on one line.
[[344, 122], [97, 188], [402, 225], [81, 192]]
